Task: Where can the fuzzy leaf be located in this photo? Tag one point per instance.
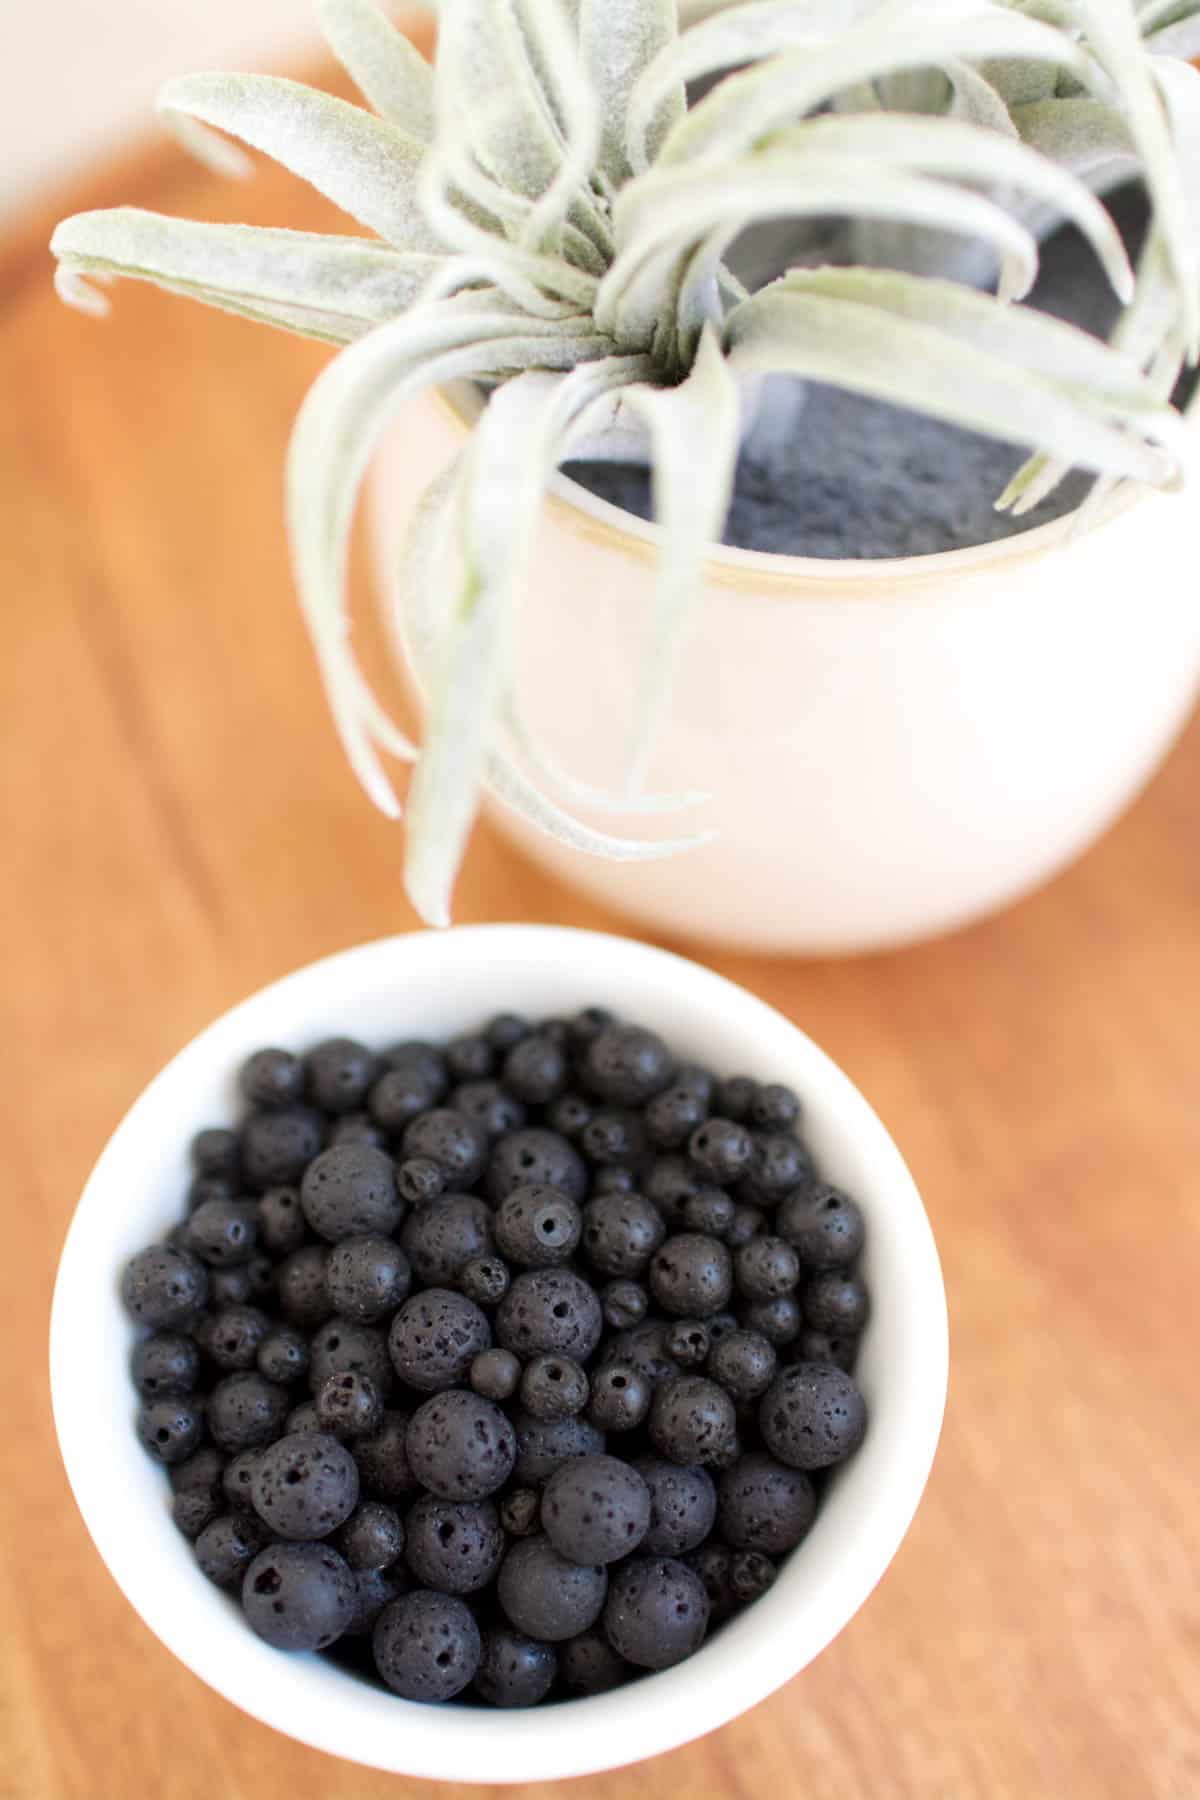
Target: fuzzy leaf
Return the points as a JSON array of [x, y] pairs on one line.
[[746, 107], [516, 792], [1181, 40], [364, 165], [333, 288], [384, 65], [338, 428], [691, 499], [961, 152], [573, 101], [513, 452], [619, 39], [488, 98], [915, 364]]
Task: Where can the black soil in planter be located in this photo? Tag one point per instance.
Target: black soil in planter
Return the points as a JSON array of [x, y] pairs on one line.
[[836, 475]]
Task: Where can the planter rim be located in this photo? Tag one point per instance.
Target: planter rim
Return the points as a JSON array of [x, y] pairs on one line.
[[771, 574]]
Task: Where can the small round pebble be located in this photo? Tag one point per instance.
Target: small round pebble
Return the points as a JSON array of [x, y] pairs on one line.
[[485, 1279], [515, 1670], [237, 1480], [535, 1155], [302, 1289], [442, 1238], [552, 1311], [210, 1187], [199, 1473], [774, 1107], [712, 1563], [625, 1304], [400, 1096], [216, 1151], [453, 1546], [613, 1136], [669, 1183], [613, 1178], [357, 1128], [819, 1346], [520, 1511], [367, 1277], [778, 1164], [620, 1397], [246, 1410], [546, 1596], [683, 1505], [711, 1211], [427, 1646], [657, 1611], [751, 1573], [642, 1348], [226, 1548], [690, 1419], [686, 1342], [569, 1114], [537, 1226], [621, 1232], [673, 1115], [553, 1387], [349, 1405], [435, 1337], [350, 1191], [733, 1097], [535, 1070], [836, 1303], [283, 1355], [164, 1288], [341, 1347], [299, 1596], [495, 1374], [302, 1418], [277, 1146], [747, 1223], [164, 1365], [764, 1505], [231, 1338], [420, 1180], [272, 1078], [491, 1106], [382, 1459], [780, 1320], [722, 1150], [305, 1485], [171, 1428], [589, 1664], [460, 1446], [422, 1059], [504, 1030], [340, 1072], [765, 1268], [192, 1513], [282, 1226], [469, 1056], [374, 1589], [744, 1363], [595, 1509], [691, 1275], [626, 1065], [452, 1140], [544, 1443], [372, 1537], [812, 1416]]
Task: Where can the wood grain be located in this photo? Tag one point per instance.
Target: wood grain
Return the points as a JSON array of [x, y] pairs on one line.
[[179, 828]]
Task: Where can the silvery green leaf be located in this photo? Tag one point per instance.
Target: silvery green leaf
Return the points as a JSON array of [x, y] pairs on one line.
[[1181, 40], [914, 364], [951, 149], [365, 165], [976, 100], [551, 773], [573, 102], [488, 97], [746, 107], [662, 214], [514, 791], [733, 35], [384, 65], [338, 428], [1020, 82], [691, 499], [502, 481], [618, 41], [1114, 39], [1086, 136], [333, 288]]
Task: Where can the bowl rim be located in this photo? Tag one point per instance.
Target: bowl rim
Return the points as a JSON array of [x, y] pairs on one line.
[[354, 1720]]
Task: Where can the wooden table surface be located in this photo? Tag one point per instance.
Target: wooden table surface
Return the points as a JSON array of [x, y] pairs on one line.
[[179, 828]]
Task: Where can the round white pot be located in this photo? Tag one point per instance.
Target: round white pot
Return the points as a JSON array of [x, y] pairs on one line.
[[892, 748], [434, 984]]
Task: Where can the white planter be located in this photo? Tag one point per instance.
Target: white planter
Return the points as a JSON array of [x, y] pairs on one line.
[[892, 748]]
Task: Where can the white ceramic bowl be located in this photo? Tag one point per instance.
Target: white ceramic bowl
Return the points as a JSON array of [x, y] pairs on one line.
[[430, 985]]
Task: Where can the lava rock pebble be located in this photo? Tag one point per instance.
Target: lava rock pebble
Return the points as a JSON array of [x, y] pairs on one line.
[[764, 1505], [553, 1387], [164, 1365], [812, 1416], [496, 1374], [305, 1485], [595, 1509], [164, 1288], [657, 1611], [246, 1410], [691, 1418], [299, 1596], [350, 1191], [552, 1311], [435, 1337], [823, 1225], [621, 1232], [367, 1278], [620, 1397], [589, 1664], [440, 1239], [171, 1428], [372, 1537], [542, 1444], [537, 1156], [546, 1596], [460, 1446], [226, 1548], [537, 1226], [683, 1505], [515, 1670], [453, 1546], [427, 1646]]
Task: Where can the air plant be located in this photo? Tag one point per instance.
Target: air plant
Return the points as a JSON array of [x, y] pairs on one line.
[[553, 223]]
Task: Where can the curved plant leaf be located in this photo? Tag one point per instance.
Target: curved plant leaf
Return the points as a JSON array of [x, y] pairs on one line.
[[384, 65]]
